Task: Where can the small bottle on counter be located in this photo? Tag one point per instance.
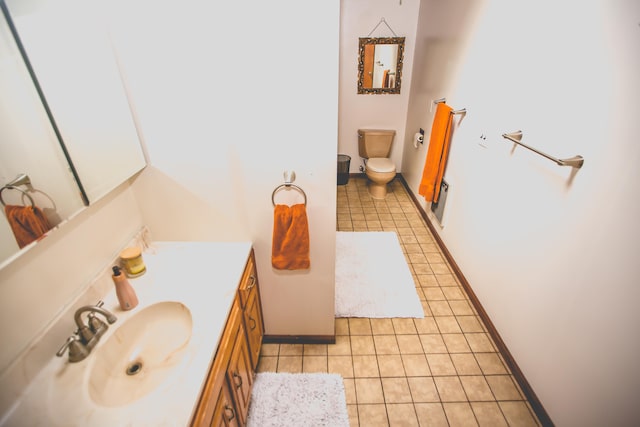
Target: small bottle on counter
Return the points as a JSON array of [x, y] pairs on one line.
[[126, 295], [132, 262]]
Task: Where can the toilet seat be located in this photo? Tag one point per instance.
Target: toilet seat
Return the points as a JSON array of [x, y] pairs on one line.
[[381, 164]]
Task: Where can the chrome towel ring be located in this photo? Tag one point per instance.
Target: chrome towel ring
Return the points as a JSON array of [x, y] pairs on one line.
[[281, 186], [12, 187]]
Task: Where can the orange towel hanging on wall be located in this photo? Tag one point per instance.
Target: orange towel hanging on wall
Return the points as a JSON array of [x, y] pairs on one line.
[[290, 245], [437, 153]]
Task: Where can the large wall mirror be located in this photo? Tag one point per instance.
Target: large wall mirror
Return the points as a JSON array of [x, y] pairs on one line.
[[65, 119], [380, 64]]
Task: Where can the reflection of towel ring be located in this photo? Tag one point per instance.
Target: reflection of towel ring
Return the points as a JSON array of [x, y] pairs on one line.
[[11, 187], [279, 187]]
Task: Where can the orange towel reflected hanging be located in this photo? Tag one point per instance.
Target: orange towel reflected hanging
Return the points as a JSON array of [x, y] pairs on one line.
[[290, 245], [437, 153], [28, 223]]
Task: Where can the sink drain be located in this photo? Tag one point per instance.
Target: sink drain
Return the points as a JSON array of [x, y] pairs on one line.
[[134, 368]]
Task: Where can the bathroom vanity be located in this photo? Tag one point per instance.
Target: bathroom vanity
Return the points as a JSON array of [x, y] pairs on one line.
[[193, 341]]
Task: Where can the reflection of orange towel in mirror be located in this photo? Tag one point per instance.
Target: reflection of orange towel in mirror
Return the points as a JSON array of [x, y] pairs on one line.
[[290, 245], [28, 223], [437, 153], [385, 79]]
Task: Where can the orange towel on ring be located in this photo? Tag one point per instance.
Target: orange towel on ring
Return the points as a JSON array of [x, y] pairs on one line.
[[437, 153], [290, 245], [28, 223]]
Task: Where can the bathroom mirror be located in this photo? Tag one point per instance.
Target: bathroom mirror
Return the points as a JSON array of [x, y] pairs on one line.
[[380, 64], [79, 81]]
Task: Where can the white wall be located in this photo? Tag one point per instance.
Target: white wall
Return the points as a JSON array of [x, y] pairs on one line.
[[371, 111], [229, 95], [550, 252]]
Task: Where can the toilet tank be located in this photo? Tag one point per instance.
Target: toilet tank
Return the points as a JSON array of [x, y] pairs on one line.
[[375, 142]]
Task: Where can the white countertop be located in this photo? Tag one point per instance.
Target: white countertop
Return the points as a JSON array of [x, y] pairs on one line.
[[201, 275]]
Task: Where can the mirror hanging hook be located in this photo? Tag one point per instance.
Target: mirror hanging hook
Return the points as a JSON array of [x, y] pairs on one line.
[[382, 21]]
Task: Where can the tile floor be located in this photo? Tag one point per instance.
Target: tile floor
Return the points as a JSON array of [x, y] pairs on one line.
[[443, 370]]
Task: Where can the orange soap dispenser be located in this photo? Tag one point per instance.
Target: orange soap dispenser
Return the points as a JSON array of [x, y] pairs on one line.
[[126, 295]]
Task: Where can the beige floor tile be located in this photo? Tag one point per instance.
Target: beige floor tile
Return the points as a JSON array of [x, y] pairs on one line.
[[446, 279], [342, 365], [352, 410], [269, 349], [453, 293], [431, 415], [491, 364], [404, 326], [291, 349], [396, 390], [518, 414], [469, 324], [450, 389], [365, 366], [423, 389], [461, 308], [342, 347], [362, 344], [359, 326], [409, 344], [460, 414], [372, 415], [415, 365], [448, 325], [440, 308], [382, 326], [426, 325], [434, 294], [477, 388], [441, 364], [314, 363], [291, 364], [433, 343], [479, 342], [503, 387], [456, 343], [342, 326], [390, 365], [386, 344], [315, 350], [402, 415], [466, 364], [350, 391], [369, 390], [488, 414], [267, 364]]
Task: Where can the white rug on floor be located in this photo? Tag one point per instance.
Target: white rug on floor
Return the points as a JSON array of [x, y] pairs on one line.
[[373, 278], [298, 400]]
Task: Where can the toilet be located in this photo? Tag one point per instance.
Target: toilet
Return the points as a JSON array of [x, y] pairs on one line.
[[374, 145]]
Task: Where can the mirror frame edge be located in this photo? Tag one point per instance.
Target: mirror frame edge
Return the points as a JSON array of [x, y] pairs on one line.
[[362, 42]]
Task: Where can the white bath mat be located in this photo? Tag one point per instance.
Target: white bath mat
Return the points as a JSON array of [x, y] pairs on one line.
[[373, 278], [298, 400]]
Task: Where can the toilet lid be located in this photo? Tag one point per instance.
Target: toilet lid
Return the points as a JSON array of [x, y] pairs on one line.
[[381, 164]]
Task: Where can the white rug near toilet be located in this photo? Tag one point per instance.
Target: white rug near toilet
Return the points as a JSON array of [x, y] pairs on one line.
[[373, 278], [295, 400]]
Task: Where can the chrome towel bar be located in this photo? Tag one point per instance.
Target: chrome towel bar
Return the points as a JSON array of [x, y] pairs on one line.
[[516, 137]]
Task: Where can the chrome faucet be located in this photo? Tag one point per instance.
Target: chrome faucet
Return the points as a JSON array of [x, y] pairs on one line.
[[87, 335]]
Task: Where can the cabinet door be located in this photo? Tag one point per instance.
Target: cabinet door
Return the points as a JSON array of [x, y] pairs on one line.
[[254, 326], [240, 374], [249, 282], [224, 414]]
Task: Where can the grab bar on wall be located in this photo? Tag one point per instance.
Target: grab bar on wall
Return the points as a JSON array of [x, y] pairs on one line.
[[516, 137]]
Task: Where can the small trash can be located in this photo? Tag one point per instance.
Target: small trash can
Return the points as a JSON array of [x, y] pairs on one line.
[[343, 169]]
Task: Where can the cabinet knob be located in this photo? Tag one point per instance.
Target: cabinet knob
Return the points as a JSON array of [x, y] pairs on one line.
[[253, 324], [252, 282], [228, 409], [239, 382]]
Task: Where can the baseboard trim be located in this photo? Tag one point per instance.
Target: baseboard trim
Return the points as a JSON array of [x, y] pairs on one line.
[[536, 405], [299, 339]]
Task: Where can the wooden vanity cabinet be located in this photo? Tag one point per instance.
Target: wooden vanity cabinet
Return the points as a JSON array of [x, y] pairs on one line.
[[226, 395]]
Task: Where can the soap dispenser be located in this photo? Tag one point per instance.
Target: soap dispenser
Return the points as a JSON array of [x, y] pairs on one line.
[[126, 295]]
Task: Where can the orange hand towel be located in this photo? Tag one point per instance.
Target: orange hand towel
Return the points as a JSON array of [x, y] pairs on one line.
[[290, 246], [437, 153], [28, 223]]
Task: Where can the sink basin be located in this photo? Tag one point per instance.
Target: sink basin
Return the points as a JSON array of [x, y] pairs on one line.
[[141, 354]]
